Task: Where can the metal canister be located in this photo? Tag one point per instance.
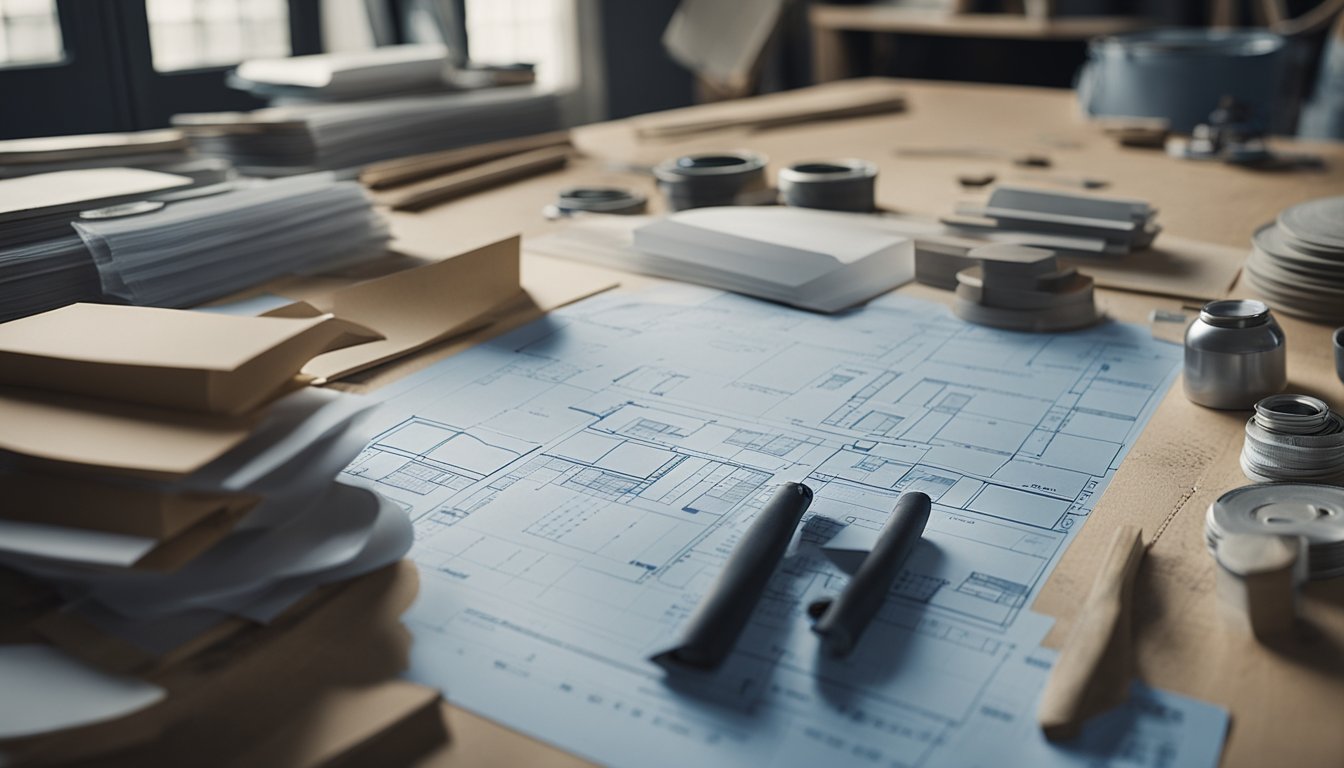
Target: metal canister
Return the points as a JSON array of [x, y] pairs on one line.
[[1234, 355]]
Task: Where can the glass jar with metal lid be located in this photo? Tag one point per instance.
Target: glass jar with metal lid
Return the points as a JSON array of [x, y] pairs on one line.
[[1234, 355]]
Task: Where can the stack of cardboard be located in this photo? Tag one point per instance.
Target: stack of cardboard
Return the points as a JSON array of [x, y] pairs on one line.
[[169, 482], [163, 149]]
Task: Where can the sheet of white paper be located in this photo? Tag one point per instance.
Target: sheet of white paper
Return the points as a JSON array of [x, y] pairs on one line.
[[578, 483], [291, 489], [388, 542], [295, 423], [44, 690], [329, 534], [74, 545]]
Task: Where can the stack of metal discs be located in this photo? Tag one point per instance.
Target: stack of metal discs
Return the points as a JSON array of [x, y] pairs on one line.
[[1313, 512], [1297, 262], [1294, 437], [833, 185]]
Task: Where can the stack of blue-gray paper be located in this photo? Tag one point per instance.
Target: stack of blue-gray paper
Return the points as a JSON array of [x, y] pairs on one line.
[[135, 236], [300, 138], [192, 251]]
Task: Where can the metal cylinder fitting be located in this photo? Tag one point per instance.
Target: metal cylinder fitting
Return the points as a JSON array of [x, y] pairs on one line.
[[1234, 355], [718, 178]]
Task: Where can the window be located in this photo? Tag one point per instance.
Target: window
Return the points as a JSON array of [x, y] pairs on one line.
[[195, 34], [132, 64], [30, 33], [539, 32]]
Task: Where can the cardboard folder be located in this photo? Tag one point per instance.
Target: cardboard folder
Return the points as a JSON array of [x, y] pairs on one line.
[[97, 504], [166, 357], [114, 437], [415, 308]]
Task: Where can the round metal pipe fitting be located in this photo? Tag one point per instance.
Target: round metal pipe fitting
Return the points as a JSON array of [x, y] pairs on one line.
[[709, 179], [599, 200], [834, 185], [1292, 414]]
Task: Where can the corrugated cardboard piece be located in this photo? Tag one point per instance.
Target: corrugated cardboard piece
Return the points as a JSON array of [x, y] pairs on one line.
[[415, 308], [194, 361]]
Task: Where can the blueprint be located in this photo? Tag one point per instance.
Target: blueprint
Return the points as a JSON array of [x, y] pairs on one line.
[[578, 483]]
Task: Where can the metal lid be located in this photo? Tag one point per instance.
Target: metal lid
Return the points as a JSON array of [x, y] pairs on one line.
[[1235, 313], [709, 164], [600, 200], [827, 170]]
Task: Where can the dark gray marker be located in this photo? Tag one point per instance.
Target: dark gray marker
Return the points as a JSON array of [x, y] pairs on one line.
[[845, 619], [722, 614]]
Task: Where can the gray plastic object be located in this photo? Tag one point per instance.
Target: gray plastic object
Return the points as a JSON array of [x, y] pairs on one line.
[[1181, 74], [848, 615], [713, 628]]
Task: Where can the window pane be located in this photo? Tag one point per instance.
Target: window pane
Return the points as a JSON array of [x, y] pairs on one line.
[[190, 34], [540, 32], [29, 32]]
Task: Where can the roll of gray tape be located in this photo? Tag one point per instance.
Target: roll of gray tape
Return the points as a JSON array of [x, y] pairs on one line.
[[720, 178], [834, 185], [599, 200]]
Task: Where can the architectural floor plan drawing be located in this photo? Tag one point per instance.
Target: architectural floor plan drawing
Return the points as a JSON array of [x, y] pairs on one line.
[[577, 483]]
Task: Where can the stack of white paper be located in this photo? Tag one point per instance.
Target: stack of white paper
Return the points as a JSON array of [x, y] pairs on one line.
[[818, 260], [299, 138], [196, 250], [390, 69], [1062, 220]]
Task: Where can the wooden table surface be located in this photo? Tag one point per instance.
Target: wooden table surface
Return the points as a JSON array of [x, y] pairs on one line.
[[1286, 705]]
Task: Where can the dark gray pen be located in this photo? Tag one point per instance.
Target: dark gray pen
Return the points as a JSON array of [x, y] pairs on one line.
[[848, 615], [722, 614]]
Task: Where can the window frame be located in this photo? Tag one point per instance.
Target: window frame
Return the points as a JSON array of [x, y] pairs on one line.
[[38, 94], [157, 96], [106, 81]]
